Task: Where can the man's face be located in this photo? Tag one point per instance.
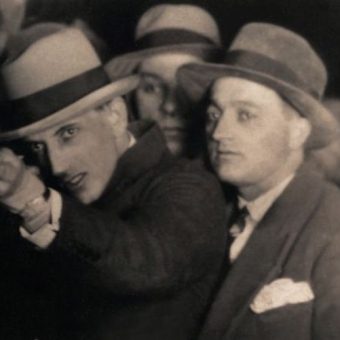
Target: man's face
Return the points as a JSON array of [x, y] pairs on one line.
[[327, 158], [158, 98], [80, 153], [249, 134]]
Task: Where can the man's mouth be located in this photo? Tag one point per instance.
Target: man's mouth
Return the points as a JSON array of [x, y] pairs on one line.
[[227, 153], [75, 182], [174, 131]]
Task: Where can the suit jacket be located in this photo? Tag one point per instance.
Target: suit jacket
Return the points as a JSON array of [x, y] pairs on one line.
[[139, 263], [298, 239]]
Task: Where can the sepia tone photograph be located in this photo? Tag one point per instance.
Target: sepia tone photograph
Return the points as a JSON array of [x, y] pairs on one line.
[[170, 170]]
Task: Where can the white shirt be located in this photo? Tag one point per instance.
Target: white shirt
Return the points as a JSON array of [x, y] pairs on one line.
[[257, 209]]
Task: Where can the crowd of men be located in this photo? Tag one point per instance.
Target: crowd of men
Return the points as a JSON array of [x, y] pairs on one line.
[[184, 190]]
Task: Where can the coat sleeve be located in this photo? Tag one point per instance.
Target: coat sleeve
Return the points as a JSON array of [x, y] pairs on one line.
[[174, 235], [326, 279]]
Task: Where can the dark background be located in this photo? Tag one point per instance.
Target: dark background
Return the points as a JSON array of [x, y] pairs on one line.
[[115, 20]]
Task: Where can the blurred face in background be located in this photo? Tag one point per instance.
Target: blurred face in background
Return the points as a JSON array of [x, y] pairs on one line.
[[327, 159], [159, 99]]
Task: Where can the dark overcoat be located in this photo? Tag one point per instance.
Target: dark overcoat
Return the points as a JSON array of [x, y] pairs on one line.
[[298, 239], [139, 263]]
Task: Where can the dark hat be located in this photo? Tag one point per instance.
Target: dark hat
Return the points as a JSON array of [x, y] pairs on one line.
[[54, 74], [279, 59], [170, 28]]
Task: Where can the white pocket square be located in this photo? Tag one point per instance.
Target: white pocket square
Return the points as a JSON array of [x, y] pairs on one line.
[[281, 292]]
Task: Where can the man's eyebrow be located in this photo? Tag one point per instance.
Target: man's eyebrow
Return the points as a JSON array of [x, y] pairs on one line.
[[245, 103], [214, 102], [27, 140], [150, 75]]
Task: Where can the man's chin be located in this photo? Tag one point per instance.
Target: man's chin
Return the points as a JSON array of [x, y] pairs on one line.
[[227, 174], [84, 196], [175, 146]]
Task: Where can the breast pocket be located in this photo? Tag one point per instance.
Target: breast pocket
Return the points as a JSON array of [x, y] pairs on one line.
[[288, 312], [286, 322]]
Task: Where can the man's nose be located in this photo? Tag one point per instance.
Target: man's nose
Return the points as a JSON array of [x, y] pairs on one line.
[[58, 160], [170, 104], [223, 129]]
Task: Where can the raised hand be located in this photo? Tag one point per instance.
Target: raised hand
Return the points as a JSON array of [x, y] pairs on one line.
[[18, 183]]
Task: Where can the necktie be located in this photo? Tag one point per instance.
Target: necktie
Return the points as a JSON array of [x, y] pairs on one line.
[[237, 226], [238, 222]]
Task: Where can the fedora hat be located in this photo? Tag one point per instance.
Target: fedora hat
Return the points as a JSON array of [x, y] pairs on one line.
[[279, 59], [170, 28], [52, 74]]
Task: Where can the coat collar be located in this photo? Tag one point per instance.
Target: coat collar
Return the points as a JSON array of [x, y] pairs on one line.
[[264, 255]]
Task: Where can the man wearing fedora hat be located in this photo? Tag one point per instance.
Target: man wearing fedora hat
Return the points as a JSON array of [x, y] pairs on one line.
[[114, 238], [167, 37], [264, 111]]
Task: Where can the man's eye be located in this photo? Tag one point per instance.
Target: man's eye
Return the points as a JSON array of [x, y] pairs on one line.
[[37, 147], [213, 114], [245, 115], [69, 133], [151, 88]]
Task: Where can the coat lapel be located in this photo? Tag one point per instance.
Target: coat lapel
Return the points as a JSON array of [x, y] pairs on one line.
[[264, 255]]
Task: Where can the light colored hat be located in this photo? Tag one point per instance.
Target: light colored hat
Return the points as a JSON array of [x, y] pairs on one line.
[[53, 74], [170, 28], [280, 59]]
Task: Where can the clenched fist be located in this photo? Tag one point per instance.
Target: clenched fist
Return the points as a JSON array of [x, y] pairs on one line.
[[18, 183]]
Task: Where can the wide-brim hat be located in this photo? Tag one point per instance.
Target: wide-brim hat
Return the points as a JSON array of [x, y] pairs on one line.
[[53, 74], [170, 28], [279, 59]]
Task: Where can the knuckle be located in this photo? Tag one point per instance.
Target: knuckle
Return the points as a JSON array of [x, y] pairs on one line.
[[8, 156]]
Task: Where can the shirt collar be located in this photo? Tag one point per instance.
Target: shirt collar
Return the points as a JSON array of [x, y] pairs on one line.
[[258, 207], [132, 140]]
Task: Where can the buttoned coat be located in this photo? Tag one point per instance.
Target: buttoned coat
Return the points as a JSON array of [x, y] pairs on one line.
[[298, 239], [139, 263]]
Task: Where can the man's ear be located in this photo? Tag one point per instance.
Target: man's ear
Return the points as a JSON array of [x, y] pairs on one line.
[[118, 115], [300, 129]]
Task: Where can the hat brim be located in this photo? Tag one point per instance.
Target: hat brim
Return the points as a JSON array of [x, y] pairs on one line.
[[126, 64], [196, 79], [90, 101]]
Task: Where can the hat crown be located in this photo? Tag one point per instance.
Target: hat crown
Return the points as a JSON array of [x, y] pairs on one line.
[[52, 74], [178, 17], [287, 48], [49, 61]]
